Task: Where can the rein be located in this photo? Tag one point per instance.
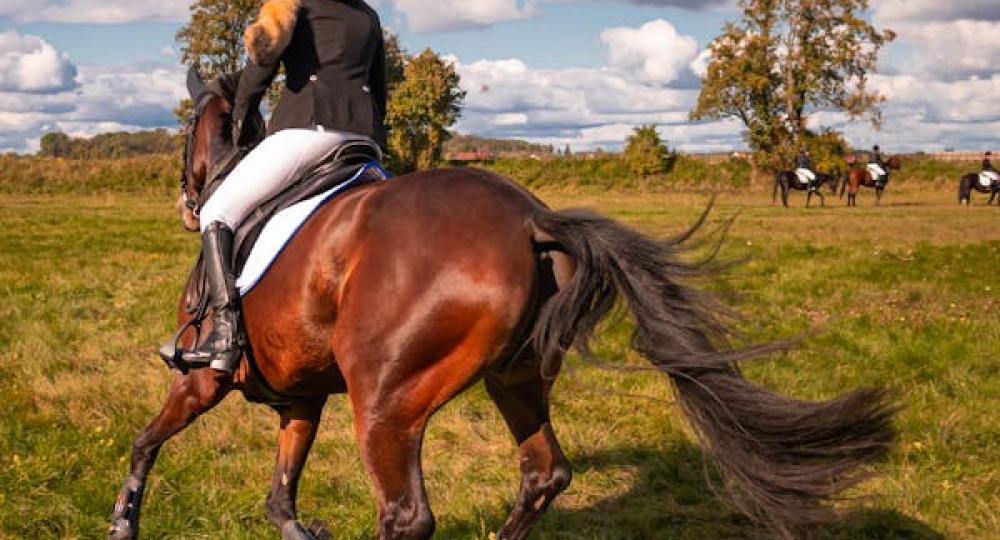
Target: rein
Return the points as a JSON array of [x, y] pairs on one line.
[[216, 172]]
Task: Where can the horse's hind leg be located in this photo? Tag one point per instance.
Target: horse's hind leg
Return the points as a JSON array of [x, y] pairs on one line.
[[190, 396], [299, 423], [522, 396]]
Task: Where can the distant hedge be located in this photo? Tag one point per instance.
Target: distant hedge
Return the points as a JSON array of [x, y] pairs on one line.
[[611, 173], [155, 175], [158, 174]]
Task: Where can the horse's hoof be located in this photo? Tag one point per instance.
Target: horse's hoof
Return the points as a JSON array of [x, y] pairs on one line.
[[121, 529], [293, 530], [318, 530]]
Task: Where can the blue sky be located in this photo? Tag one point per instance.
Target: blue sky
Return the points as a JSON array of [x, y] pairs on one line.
[[554, 71]]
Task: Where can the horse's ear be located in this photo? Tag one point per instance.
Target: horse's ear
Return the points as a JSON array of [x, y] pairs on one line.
[[196, 86]]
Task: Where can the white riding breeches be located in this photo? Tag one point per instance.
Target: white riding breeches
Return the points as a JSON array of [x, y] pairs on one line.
[[806, 176], [266, 171], [876, 170]]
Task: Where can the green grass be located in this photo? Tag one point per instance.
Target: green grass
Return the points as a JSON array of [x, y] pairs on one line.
[[904, 296]]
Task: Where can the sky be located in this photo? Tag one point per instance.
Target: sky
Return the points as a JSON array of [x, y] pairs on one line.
[[581, 73]]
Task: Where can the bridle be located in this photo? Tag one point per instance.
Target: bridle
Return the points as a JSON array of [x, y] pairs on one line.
[[193, 204]]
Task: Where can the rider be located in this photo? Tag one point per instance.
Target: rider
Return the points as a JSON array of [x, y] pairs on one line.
[[805, 168], [988, 169], [334, 91], [875, 163]]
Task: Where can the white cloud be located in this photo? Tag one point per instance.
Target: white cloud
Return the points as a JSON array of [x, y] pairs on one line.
[[583, 107], [927, 115], [936, 10], [109, 98], [31, 65], [655, 52], [94, 11], [424, 16], [952, 49], [686, 4], [700, 64]]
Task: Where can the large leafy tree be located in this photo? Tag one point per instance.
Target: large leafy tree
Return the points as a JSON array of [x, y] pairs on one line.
[[212, 41], [422, 107], [786, 59]]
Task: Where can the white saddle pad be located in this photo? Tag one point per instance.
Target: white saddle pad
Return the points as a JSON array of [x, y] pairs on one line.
[[284, 226], [987, 178], [804, 176], [875, 170]]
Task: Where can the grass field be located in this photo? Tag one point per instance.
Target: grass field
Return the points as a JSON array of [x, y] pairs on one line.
[[906, 296]]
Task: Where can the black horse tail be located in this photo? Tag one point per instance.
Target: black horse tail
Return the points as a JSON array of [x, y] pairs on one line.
[[774, 193], [780, 459], [965, 189]]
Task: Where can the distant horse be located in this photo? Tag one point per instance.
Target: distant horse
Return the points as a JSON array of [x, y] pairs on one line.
[[788, 180], [404, 293], [971, 182], [860, 176]]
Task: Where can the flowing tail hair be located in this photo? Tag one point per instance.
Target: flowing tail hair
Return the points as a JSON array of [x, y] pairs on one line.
[[965, 189], [780, 458]]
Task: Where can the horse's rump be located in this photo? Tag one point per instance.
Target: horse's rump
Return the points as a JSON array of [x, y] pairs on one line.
[[433, 245]]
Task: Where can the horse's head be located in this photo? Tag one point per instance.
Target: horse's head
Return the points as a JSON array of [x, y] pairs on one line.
[[208, 144], [894, 163]]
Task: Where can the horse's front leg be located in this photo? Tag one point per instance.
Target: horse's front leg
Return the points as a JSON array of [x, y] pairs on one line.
[[822, 198], [878, 197], [299, 423], [190, 396], [809, 196]]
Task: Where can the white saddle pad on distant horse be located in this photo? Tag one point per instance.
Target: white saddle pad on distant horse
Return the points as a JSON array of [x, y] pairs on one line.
[[876, 171], [988, 178], [805, 176]]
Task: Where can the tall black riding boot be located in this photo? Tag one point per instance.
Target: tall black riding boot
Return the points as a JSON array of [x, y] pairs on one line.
[[223, 348]]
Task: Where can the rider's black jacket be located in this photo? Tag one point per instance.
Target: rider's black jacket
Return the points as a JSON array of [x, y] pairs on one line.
[[805, 162], [987, 166], [335, 73]]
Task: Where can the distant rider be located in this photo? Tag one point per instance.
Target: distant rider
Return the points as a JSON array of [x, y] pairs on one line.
[[988, 170], [805, 169], [875, 164]]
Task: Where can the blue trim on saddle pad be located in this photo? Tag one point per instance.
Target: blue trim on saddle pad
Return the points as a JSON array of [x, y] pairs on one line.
[[285, 225]]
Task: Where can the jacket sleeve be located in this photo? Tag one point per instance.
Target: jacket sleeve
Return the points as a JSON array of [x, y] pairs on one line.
[[253, 85], [378, 83]]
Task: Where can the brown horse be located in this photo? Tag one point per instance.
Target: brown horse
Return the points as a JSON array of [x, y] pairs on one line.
[[860, 176], [970, 182], [404, 293]]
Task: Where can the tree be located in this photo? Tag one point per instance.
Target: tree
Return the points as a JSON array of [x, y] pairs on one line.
[[567, 151], [55, 145], [828, 150], [395, 60], [212, 41], [788, 58], [645, 153], [421, 109]]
